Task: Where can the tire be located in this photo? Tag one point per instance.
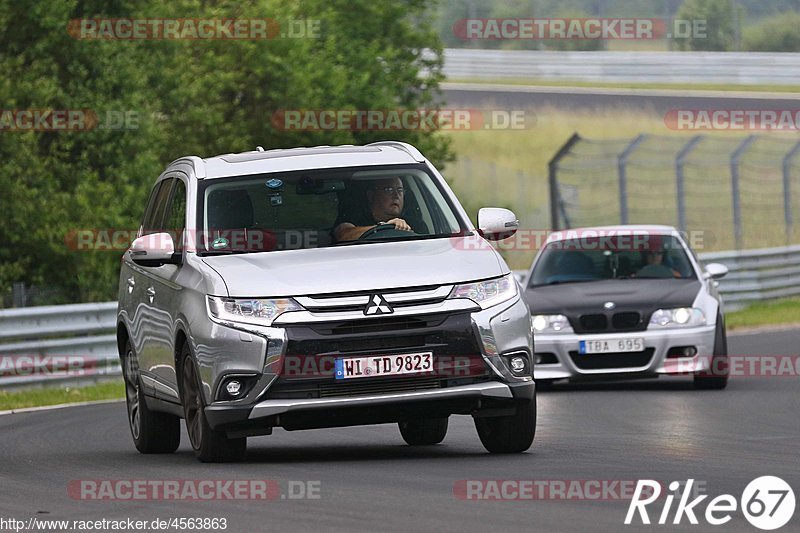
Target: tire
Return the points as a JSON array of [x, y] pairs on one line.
[[423, 432], [718, 379], [509, 434], [209, 445], [152, 432]]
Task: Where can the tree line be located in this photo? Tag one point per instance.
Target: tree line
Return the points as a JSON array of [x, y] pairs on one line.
[[89, 120]]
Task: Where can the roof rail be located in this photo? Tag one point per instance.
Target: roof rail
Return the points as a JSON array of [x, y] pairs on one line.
[[407, 148], [196, 163]]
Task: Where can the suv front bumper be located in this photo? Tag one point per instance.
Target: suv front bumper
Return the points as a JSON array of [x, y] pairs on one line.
[[312, 400]]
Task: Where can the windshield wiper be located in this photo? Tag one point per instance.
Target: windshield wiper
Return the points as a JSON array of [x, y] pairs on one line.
[[560, 282], [209, 253], [416, 237]]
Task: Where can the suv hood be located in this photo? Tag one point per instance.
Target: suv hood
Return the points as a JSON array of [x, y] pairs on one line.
[[360, 267]]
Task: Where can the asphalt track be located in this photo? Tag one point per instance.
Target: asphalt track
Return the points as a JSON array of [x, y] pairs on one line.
[[458, 95], [369, 480]]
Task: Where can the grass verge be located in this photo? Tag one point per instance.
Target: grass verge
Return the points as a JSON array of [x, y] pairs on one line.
[[17, 399], [765, 314]]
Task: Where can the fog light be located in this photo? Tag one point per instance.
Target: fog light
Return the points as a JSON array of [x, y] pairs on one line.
[[689, 351], [234, 387], [517, 364], [537, 358]]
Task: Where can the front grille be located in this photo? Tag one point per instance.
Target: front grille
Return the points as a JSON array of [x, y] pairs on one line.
[[609, 323], [372, 387], [594, 322], [626, 320], [608, 361], [355, 327], [284, 390]]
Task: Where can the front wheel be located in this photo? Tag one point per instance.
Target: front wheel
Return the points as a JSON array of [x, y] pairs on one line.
[[509, 434], [152, 432], [717, 377], [210, 445], [424, 432]]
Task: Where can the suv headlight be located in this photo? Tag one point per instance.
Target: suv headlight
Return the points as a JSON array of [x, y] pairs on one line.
[[259, 311], [681, 317], [550, 324], [489, 292]]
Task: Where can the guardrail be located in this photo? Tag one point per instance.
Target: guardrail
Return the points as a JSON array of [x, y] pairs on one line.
[[633, 67], [77, 343], [58, 344], [757, 275]]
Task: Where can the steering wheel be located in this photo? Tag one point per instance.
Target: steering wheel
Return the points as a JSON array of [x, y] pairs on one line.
[[376, 229]]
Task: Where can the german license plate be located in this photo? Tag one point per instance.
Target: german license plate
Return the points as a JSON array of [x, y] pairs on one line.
[[383, 365], [627, 344]]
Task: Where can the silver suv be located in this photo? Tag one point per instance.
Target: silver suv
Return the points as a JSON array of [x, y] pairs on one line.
[[319, 287]]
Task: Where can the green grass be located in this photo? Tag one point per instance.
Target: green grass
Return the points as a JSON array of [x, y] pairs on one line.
[[600, 85], [17, 399], [765, 313]]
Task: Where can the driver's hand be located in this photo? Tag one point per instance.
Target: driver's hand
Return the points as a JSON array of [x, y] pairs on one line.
[[399, 223]]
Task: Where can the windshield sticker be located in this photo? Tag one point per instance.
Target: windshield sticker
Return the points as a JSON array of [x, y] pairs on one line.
[[219, 242]]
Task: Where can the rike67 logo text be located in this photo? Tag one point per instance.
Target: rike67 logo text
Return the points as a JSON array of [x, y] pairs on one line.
[[767, 502]]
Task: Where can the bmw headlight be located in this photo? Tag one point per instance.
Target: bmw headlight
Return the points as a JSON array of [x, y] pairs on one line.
[[550, 324], [489, 292], [681, 317], [258, 311]]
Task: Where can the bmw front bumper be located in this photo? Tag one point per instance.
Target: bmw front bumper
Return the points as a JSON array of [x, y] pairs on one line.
[[561, 357]]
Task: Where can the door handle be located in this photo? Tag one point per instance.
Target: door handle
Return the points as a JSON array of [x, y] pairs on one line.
[[151, 293], [131, 282]]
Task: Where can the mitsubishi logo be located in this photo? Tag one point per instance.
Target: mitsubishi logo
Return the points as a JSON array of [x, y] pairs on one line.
[[377, 305]]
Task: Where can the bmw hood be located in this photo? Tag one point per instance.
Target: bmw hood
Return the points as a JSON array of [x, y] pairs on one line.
[[360, 267], [626, 294]]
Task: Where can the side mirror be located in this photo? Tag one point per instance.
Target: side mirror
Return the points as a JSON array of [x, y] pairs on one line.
[[153, 250], [496, 223], [716, 270]]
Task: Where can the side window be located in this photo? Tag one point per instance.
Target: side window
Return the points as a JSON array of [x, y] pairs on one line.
[[154, 218], [176, 220]]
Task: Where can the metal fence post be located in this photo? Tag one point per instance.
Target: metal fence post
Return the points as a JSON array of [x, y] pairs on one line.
[[680, 160], [737, 208], [556, 205], [622, 161], [19, 294], [787, 191]]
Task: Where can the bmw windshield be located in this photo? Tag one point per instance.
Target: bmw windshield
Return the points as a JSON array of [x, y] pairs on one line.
[[589, 259]]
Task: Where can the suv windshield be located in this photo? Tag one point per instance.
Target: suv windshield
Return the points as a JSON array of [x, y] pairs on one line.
[[620, 257], [299, 210]]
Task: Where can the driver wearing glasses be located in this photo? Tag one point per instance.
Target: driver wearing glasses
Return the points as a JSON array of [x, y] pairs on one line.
[[384, 205]]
